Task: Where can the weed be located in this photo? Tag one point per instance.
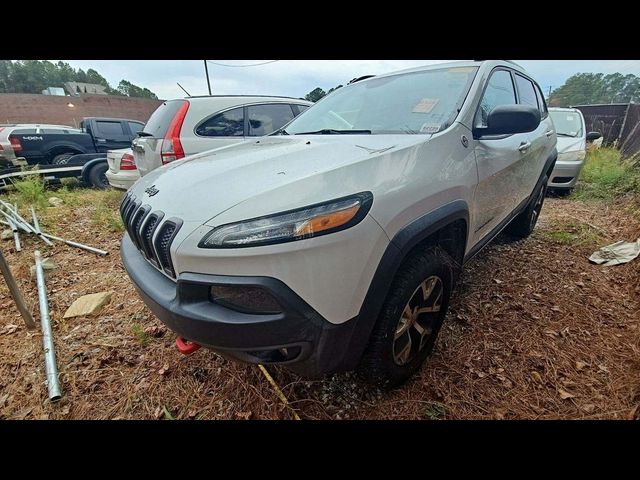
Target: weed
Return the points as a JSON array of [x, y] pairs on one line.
[[606, 175], [433, 410], [31, 191], [141, 336], [571, 232]]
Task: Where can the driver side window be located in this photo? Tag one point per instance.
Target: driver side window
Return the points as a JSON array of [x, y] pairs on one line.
[[499, 91]]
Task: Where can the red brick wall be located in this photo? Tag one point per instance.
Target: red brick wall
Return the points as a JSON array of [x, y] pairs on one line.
[[30, 108]]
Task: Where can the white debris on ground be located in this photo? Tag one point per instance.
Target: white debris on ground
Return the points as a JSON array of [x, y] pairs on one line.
[[88, 304], [616, 253]]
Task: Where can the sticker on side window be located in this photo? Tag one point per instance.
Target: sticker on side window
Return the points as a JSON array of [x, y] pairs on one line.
[[425, 105]]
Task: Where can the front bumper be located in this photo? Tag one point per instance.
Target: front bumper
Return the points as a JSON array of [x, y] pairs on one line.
[[565, 174], [185, 307]]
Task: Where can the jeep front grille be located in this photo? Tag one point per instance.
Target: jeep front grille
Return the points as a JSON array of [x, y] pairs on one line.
[[142, 227]]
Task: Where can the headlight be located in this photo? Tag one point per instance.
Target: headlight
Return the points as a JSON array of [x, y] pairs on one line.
[[306, 222], [574, 156]]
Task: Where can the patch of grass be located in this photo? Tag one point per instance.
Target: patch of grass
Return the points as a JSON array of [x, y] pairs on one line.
[[606, 175], [31, 191], [106, 217], [571, 232], [433, 410], [142, 337]]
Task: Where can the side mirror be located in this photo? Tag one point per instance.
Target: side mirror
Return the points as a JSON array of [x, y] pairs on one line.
[[510, 119], [591, 136]]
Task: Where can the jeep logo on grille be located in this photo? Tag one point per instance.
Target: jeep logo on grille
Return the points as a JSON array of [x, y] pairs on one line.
[[151, 191]]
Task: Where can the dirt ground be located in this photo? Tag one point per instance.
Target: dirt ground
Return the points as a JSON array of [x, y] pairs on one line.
[[535, 331]]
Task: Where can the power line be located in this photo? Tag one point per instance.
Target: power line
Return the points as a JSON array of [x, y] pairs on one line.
[[240, 66]]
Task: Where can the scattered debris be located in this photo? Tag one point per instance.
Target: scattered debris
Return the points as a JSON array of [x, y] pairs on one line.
[[55, 201], [564, 395], [616, 253], [6, 234], [88, 304]]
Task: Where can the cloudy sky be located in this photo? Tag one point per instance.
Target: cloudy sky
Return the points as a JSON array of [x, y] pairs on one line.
[[295, 78]]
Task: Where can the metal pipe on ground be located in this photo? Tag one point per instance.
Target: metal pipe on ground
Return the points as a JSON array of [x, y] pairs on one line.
[[15, 292], [17, 216], [76, 244], [53, 384]]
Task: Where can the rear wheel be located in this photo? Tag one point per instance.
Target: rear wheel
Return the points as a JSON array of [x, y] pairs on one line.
[[98, 177], [410, 320], [523, 224], [62, 158]]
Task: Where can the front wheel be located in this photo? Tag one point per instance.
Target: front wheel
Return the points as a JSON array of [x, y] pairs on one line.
[[523, 224], [98, 177], [410, 320]]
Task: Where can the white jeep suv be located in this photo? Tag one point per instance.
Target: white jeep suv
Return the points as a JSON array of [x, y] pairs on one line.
[[335, 242]]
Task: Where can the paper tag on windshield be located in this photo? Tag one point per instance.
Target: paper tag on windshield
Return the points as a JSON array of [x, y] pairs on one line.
[[425, 105], [430, 128]]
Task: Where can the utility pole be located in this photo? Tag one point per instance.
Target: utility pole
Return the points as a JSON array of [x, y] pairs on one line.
[[206, 70], [549, 91]]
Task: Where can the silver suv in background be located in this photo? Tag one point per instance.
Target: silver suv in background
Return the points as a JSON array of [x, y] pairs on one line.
[[572, 147], [195, 124]]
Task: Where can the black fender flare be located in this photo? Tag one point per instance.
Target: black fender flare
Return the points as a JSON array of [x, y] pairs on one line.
[[402, 243], [64, 146], [84, 174]]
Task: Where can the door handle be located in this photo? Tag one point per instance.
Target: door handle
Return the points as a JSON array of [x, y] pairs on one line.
[[524, 146], [549, 133]]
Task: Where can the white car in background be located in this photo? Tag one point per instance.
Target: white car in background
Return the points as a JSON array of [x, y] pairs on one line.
[[572, 147], [122, 172], [183, 127]]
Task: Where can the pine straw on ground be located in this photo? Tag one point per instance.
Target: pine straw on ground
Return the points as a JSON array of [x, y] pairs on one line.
[[535, 331]]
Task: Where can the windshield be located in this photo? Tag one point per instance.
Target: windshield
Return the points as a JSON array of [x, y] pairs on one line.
[[413, 103], [568, 124]]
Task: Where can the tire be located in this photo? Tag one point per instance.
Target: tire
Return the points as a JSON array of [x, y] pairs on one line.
[[563, 192], [387, 362], [62, 158], [522, 226], [97, 176]]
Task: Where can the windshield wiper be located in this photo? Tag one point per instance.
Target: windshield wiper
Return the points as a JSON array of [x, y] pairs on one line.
[[332, 131], [144, 134]]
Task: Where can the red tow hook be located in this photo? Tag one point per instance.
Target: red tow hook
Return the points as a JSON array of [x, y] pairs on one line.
[[186, 347]]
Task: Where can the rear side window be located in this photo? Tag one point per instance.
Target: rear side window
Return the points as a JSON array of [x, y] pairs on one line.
[[499, 91], [53, 130], [135, 127], [526, 92], [24, 131], [110, 129], [266, 119], [225, 124], [159, 122]]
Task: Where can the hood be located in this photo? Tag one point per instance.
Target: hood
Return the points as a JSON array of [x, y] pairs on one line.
[[569, 144], [202, 186]]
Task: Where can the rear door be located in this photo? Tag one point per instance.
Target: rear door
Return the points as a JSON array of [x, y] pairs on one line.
[[498, 160], [147, 146], [111, 135]]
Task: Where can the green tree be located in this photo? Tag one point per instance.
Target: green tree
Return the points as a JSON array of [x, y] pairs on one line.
[[33, 76], [315, 95], [592, 88], [318, 93], [131, 90]]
